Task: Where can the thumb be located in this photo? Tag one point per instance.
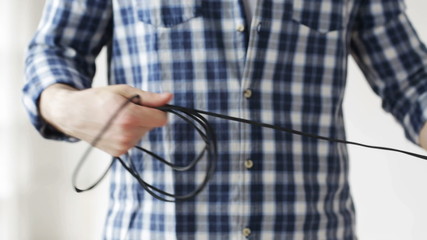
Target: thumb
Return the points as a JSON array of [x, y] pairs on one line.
[[151, 99]]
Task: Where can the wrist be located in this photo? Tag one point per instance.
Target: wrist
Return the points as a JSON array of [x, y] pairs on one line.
[[53, 105]]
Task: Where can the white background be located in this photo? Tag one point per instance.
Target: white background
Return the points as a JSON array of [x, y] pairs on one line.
[[38, 202]]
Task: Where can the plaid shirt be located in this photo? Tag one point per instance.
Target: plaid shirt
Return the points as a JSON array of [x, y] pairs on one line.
[[287, 67]]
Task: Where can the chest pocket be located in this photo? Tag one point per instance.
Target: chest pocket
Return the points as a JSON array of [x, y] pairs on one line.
[[167, 13], [320, 15]]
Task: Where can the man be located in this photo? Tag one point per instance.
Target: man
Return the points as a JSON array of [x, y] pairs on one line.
[[280, 62]]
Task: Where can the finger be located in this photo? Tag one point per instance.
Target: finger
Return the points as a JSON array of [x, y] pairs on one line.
[[125, 141], [143, 116]]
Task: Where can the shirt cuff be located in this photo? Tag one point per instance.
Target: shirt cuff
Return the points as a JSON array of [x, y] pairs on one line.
[[31, 96]]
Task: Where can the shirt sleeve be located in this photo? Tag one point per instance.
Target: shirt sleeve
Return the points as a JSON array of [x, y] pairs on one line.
[[69, 37], [394, 60]]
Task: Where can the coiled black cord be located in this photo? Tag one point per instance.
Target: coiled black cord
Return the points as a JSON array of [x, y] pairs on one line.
[[195, 118]]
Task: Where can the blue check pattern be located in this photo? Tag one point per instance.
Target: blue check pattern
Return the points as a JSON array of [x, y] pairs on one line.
[[287, 67]]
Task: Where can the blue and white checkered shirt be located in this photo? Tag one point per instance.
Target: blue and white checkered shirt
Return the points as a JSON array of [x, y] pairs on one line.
[[287, 67]]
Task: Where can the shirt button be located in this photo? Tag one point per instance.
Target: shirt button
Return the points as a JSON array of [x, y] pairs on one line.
[[249, 164], [240, 28], [258, 27], [246, 232], [247, 93]]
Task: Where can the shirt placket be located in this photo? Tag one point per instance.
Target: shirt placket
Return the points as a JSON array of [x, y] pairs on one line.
[[249, 143], [242, 31]]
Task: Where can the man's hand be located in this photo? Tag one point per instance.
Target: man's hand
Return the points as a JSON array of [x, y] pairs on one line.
[[83, 113], [423, 137]]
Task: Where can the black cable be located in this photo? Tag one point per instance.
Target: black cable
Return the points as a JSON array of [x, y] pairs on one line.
[[195, 119], [210, 147]]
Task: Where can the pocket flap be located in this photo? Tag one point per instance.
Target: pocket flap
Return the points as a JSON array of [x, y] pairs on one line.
[[323, 16], [167, 13]]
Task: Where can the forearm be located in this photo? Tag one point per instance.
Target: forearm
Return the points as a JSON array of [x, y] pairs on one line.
[[394, 66]]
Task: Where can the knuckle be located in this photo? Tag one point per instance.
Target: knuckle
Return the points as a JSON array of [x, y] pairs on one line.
[[117, 149], [124, 143], [163, 121], [123, 87], [117, 152], [126, 121]]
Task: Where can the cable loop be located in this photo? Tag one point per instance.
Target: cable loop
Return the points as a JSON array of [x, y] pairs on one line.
[[195, 118]]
